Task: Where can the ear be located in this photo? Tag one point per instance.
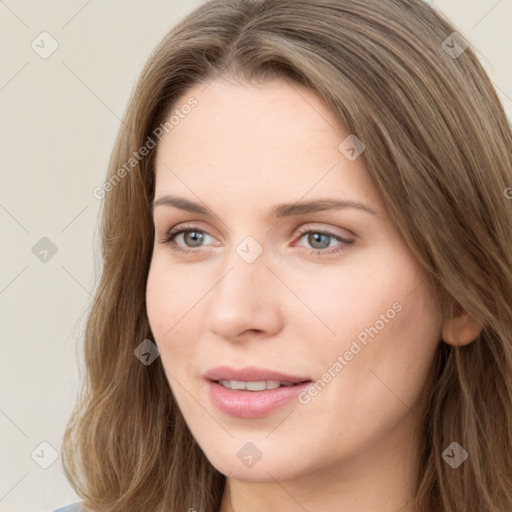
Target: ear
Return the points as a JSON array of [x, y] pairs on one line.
[[460, 330]]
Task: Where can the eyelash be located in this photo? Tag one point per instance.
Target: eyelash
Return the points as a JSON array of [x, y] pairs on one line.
[[169, 240]]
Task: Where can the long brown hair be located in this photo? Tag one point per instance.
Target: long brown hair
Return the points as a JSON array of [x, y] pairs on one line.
[[439, 150]]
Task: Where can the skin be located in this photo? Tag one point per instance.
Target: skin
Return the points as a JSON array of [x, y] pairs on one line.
[[242, 150]]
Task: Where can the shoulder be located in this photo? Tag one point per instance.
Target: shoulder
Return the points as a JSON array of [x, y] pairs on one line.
[[74, 507]]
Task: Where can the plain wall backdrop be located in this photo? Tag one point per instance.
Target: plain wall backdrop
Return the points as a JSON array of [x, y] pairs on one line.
[[59, 115]]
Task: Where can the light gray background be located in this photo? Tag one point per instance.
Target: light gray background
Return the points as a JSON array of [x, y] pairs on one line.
[[58, 120]]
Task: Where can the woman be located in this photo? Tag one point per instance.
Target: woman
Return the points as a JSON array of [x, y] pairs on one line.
[[306, 295]]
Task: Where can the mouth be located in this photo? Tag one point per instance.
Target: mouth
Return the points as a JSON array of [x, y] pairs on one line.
[[253, 377], [260, 385], [252, 392]]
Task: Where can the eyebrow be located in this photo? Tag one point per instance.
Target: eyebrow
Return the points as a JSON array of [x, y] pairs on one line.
[[279, 211]]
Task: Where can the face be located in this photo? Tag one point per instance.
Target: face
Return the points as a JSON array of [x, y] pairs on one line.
[[329, 296]]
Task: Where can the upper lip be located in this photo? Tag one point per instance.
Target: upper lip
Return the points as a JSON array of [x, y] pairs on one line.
[[251, 374]]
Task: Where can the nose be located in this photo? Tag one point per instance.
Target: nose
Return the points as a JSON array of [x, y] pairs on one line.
[[245, 301]]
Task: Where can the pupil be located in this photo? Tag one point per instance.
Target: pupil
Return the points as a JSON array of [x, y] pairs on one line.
[[314, 237], [196, 237]]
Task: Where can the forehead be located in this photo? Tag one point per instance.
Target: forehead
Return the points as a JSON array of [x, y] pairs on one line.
[[270, 139]]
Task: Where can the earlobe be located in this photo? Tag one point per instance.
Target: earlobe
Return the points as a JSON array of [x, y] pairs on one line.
[[460, 330]]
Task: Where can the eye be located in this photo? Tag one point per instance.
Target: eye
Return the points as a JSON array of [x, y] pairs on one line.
[[191, 235], [317, 238]]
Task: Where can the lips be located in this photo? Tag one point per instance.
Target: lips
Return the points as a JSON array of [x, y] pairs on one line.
[[251, 404], [252, 374]]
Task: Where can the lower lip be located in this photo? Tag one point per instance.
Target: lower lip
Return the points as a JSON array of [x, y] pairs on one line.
[[252, 404]]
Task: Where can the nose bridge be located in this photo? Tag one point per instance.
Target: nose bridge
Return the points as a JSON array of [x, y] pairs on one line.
[[241, 299], [244, 271]]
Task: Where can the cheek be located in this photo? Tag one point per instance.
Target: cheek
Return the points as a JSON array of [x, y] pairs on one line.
[[382, 321], [370, 289], [173, 308], [158, 302], [168, 296], [163, 306], [408, 344], [388, 337]]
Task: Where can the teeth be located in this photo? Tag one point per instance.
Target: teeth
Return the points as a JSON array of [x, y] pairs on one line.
[[253, 386]]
